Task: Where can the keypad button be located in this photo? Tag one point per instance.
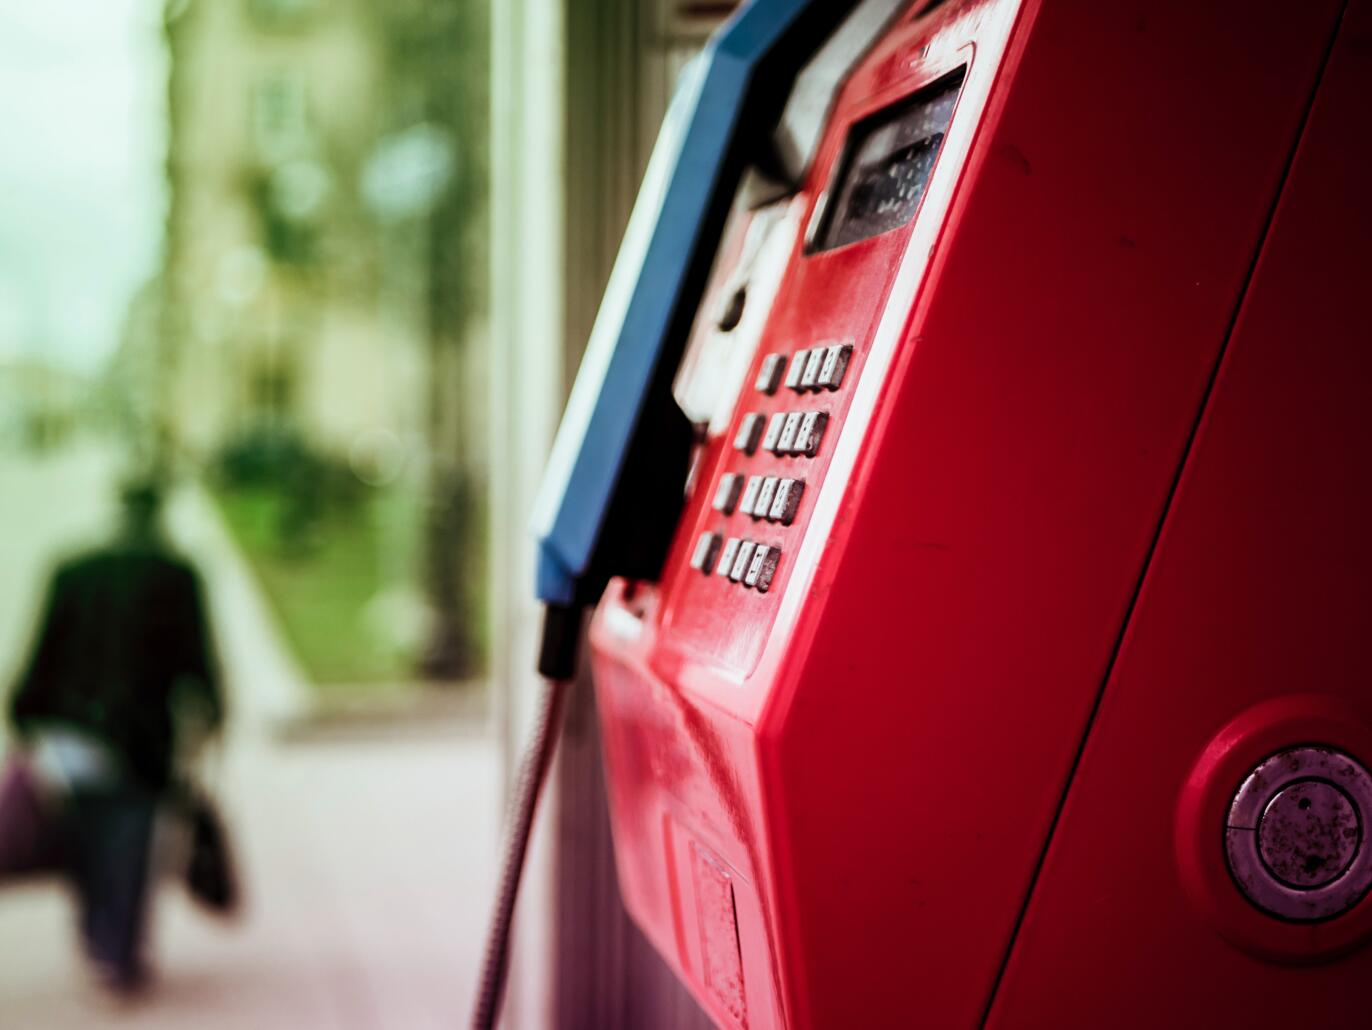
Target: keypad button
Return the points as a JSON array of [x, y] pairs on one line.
[[787, 500], [796, 370], [809, 379], [750, 493], [773, 434], [762, 568], [763, 504], [726, 497], [707, 550], [742, 560], [835, 364], [749, 433], [789, 430], [769, 374], [725, 564], [809, 433]]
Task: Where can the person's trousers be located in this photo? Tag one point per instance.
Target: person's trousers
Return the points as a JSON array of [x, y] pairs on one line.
[[110, 844]]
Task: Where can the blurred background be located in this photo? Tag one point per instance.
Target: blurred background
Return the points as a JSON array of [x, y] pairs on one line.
[[326, 268]]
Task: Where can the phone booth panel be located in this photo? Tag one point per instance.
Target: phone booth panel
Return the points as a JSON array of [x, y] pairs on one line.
[[1249, 638]]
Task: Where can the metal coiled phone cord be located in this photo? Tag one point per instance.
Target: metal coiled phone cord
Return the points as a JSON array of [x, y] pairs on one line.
[[557, 662]]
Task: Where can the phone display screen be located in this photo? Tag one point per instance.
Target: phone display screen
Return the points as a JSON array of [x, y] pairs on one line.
[[887, 165]]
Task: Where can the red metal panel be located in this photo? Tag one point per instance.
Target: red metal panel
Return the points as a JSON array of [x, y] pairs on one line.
[[1251, 630], [872, 752]]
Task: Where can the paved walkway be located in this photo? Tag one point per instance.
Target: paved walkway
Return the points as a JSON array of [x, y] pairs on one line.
[[367, 860]]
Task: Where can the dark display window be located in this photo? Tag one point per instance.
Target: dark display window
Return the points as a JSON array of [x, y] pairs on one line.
[[887, 164]]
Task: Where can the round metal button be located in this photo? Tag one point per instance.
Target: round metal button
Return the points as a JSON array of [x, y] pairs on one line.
[[1309, 834], [1295, 831]]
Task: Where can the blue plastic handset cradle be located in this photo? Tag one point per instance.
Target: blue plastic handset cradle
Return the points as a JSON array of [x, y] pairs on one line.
[[610, 497]]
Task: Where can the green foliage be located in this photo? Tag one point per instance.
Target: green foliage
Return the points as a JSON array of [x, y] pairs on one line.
[[308, 486], [321, 597], [288, 241]]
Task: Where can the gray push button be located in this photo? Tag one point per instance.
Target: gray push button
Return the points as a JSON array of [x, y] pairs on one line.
[[742, 560], [773, 434], [796, 370], [750, 495], [809, 433], [726, 558], [788, 432], [809, 379], [763, 504], [835, 364], [707, 549], [787, 500], [749, 433], [769, 374], [730, 486], [762, 568]]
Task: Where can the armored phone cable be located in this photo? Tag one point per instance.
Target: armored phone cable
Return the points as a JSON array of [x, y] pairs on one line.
[[557, 663]]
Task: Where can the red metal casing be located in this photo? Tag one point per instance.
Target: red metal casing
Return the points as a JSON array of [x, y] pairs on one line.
[[1250, 635], [831, 800]]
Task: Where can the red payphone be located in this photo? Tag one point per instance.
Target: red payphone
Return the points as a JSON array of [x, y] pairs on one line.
[[1006, 667]]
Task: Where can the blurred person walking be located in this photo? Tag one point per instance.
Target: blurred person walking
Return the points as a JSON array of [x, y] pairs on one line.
[[120, 688]]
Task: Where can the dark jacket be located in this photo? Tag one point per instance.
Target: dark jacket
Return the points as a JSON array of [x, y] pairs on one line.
[[123, 646]]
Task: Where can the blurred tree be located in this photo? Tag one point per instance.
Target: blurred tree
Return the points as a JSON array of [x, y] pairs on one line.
[[325, 258], [436, 167]]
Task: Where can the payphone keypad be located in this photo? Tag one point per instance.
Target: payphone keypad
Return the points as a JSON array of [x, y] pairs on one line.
[[811, 429], [769, 496], [770, 373], [770, 440], [727, 555], [750, 495], [787, 500], [707, 549], [763, 504], [743, 557], [835, 364], [739, 560], [726, 496], [789, 429], [774, 427], [762, 568], [749, 433]]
